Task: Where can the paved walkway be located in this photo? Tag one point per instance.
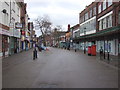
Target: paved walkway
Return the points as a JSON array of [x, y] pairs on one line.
[[57, 68]]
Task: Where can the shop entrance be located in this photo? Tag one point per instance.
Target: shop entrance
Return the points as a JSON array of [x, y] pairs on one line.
[[4, 44]]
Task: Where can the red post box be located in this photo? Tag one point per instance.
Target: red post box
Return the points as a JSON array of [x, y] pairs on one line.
[[93, 50], [89, 50]]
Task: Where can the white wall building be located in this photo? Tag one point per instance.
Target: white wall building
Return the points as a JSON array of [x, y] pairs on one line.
[[4, 27], [9, 33]]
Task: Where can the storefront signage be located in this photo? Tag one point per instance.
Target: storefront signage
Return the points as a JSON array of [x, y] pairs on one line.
[[4, 32], [18, 25]]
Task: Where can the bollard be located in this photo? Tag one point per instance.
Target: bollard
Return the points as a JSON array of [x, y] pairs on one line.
[[75, 50], [34, 55], [104, 54], [108, 57]]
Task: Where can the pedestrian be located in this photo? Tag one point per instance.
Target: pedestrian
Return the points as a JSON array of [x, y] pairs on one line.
[[75, 48], [35, 51], [101, 53]]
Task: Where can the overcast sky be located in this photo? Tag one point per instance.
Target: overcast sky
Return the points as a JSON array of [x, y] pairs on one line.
[[61, 12]]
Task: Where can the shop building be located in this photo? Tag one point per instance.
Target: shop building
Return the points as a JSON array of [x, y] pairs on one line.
[[75, 33], [87, 22], [101, 29], [108, 22], [15, 26], [4, 28]]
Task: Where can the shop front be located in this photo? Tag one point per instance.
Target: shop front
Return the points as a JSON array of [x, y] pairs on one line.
[[5, 46], [4, 39]]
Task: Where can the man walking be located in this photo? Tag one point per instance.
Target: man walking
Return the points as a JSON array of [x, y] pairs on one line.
[[35, 51], [101, 53]]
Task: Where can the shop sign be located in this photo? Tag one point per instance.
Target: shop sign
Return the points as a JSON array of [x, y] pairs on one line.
[[18, 25], [4, 32]]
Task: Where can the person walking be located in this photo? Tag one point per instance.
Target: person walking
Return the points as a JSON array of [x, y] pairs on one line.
[[101, 53], [35, 51]]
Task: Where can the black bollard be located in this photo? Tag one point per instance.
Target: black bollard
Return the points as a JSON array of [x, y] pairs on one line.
[[108, 57], [34, 55], [75, 50]]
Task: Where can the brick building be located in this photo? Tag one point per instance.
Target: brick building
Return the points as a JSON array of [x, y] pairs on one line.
[[100, 26]]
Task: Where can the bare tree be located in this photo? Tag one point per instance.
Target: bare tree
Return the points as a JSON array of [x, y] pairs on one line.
[[57, 30], [44, 25]]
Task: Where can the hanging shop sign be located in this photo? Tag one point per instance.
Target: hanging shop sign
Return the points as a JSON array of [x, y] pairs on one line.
[[18, 25]]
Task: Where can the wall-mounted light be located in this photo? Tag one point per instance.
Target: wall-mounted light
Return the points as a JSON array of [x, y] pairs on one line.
[[4, 11]]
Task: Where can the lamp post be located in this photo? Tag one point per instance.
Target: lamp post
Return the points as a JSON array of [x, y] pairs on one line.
[[84, 41]]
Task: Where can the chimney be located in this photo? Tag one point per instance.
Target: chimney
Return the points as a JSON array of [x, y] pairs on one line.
[[68, 27]]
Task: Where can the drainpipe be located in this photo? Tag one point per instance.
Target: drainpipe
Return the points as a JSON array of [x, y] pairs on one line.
[[10, 36]]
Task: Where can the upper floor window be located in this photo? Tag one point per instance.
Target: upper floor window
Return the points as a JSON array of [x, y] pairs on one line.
[[104, 4], [99, 8], [5, 19], [109, 3], [90, 13], [110, 21], [104, 23], [13, 6], [82, 19], [119, 17], [86, 16], [100, 25], [94, 11]]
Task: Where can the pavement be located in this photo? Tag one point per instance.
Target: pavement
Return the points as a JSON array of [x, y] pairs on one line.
[[57, 68]]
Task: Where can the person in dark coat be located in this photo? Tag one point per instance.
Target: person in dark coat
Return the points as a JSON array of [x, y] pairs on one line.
[[101, 53], [35, 51]]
